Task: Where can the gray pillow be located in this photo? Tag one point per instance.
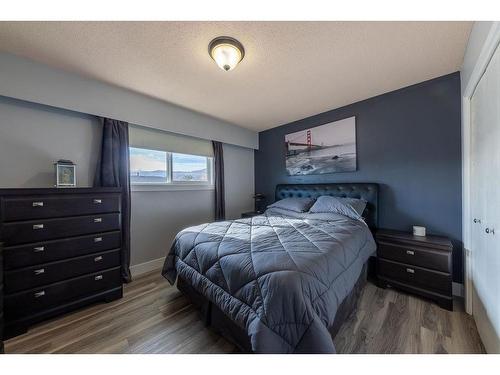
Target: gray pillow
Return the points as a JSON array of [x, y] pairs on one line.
[[358, 204], [334, 205], [293, 204], [273, 211]]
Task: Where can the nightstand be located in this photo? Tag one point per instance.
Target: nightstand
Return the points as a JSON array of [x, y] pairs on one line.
[[250, 214], [420, 265]]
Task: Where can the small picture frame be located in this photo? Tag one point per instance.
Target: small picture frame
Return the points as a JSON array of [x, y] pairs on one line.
[[65, 173]]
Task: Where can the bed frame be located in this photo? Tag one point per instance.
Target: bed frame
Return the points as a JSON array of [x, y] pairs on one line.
[[214, 318], [366, 191]]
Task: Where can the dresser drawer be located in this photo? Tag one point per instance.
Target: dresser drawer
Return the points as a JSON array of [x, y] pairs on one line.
[[40, 230], [52, 206], [416, 276], [26, 303], [48, 273], [50, 251], [415, 255]]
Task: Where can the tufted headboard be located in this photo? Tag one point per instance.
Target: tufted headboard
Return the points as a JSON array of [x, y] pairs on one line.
[[367, 191]]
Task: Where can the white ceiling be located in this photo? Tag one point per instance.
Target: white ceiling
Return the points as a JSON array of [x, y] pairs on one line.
[[291, 70]]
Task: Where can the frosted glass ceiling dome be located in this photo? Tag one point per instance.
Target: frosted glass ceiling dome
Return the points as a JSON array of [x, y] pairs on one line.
[[227, 52]]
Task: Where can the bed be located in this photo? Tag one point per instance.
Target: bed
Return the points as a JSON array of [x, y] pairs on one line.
[[274, 283]]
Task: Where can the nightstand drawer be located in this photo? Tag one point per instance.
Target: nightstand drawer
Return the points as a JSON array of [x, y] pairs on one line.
[[416, 276], [415, 255]]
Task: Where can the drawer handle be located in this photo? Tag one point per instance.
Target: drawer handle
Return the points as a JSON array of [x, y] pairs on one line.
[[98, 259], [40, 271], [37, 204], [39, 249], [97, 201], [410, 252], [410, 270], [38, 226], [98, 239], [98, 220], [98, 277], [40, 294]]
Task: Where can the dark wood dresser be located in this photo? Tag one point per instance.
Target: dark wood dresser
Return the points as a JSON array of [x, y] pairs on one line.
[[61, 251], [420, 265]]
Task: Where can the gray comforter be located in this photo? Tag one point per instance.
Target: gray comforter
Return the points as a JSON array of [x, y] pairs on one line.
[[279, 278]]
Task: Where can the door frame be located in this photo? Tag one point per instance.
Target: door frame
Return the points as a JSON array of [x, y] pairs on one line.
[[488, 49]]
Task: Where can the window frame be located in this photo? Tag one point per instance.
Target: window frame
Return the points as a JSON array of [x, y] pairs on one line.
[[170, 184]]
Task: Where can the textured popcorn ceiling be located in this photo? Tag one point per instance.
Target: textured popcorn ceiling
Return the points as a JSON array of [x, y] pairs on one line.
[[291, 70]]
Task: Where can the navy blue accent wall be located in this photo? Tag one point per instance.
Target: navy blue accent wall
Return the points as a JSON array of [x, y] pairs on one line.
[[408, 141]]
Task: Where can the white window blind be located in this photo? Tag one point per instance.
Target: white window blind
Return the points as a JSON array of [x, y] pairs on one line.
[[153, 139]]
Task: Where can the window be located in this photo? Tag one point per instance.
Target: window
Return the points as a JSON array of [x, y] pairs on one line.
[[189, 168], [148, 166], [152, 167]]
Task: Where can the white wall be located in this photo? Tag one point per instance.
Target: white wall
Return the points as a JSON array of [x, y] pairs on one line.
[[483, 41], [477, 38], [33, 136], [35, 82], [475, 61], [157, 216], [469, 76], [478, 52], [239, 180]]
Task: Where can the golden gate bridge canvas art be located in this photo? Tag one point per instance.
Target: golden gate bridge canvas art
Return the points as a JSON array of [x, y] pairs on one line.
[[328, 148]]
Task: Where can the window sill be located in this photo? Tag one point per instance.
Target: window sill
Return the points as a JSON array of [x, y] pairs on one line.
[[169, 187]]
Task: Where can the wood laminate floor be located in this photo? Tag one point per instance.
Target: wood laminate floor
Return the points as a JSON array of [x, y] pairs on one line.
[[153, 317]]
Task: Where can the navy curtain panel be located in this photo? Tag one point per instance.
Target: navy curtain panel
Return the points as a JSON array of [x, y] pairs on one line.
[[113, 171], [220, 204]]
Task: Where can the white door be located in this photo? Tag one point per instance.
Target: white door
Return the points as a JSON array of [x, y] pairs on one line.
[[485, 205]]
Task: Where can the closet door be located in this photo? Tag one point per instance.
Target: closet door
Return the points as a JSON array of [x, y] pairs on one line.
[[485, 204]]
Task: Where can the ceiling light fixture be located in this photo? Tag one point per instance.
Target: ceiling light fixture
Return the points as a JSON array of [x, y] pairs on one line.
[[227, 52]]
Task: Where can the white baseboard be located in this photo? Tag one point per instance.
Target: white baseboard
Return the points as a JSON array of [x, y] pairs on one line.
[[141, 268], [457, 289]]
